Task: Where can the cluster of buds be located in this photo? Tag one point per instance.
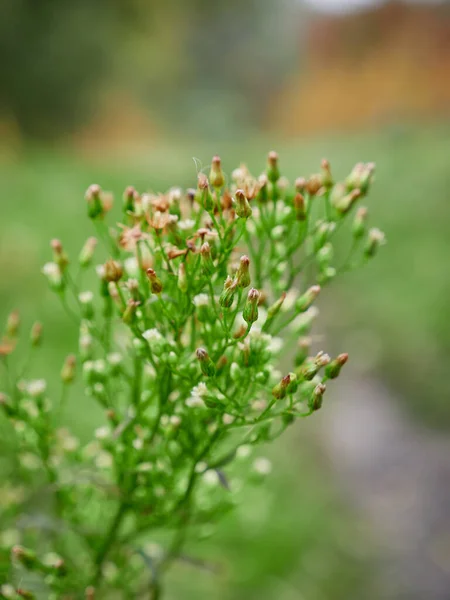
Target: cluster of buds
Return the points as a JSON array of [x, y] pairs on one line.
[[181, 336]]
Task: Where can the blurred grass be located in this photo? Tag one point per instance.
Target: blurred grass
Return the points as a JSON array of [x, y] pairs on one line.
[[294, 538]]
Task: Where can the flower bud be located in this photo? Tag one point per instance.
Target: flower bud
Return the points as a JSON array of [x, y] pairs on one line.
[[327, 179], [12, 324], [304, 345], [324, 230], [227, 295], [315, 402], [155, 282], [304, 302], [203, 194], [6, 405], [322, 359], [25, 557], [361, 177], [182, 278], [280, 390], [68, 369], [54, 276], [113, 271], [86, 304], [272, 170], [206, 364], [299, 207], [243, 273], [59, 256], [216, 176], [250, 312], [206, 259], [345, 203], [87, 252], [333, 369], [129, 314], [314, 184], [325, 256], [93, 199], [300, 185], [263, 193], [130, 196], [243, 208], [359, 222], [26, 594], [293, 384], [273, 310], [308, 370], [375, 239]]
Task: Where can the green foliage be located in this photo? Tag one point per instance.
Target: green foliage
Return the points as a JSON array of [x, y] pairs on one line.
[[180, 355]]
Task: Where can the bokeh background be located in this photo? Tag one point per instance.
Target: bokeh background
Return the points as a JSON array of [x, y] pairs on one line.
[[128, 92]]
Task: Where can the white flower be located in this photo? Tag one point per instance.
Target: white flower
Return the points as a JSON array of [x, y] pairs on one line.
[[275, 345], [145, 467], [175, 420], [114, 358], [53, 273], [262, 466], [30, 461], [195, 402], [100, 270], [186, 224], [377, 236], [138, 444], [101, 433], [86, 297], [152, 335], [201, 467], [210, 477], [30, 408], [131, 266], [227, 419], [201, 300], [7, 590], [36, 387], [104, 460], [243, 451]]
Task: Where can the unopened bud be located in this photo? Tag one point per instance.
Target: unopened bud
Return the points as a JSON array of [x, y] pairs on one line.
[[216, 176], [130, 196], [293, 384], [87, 252], [86, 304], [300, 207], [315, 402], [89, 593], [273, 172], [280, 390], [54, 276], [375, 239], [250, 312], [306, 299], [325, 256], [93, 199], [113, 271], [243, 208], [361, 177], [314, 184], [273, 310], [327, 179], [304, 344], [300, 184], [263, 193], [344, 204], [322, 359], [25, 557], [12, 324], [206, 259], [243, 273], [182, 278], [155, 282], [206, 364], [59, 256], [26, 594], [359, 222], [308, 370], [68, 369], [203, 194], [333, 369], [227, 295], [129, 314]]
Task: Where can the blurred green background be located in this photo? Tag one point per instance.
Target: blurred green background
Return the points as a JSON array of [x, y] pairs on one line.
[[127, 93]]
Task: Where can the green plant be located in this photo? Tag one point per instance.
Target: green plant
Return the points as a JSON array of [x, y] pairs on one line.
[[181, 354]]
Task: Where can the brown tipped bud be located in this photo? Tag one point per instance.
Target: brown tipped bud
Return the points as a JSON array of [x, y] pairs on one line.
[[280, 390], [203, 194], [300, 207], [300, 185], [243, 273], [113, 270], [13, 324], [26, 557], [206, 259], [273, 310], [59, 256], [263, 192], [243, 208], [314, 184], [334, 368], [361, 177], [182, 278], [306, 299], [129, 314], [155, 282], [89, 593], [23, 593], [227, 295], [130, 196], [272, 171], [87, 252], [315, 402], [359, 222], [327, 179], [375, 239], [93, 198], [250, 312], [68, 369], [216, 176], [206, 364]]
